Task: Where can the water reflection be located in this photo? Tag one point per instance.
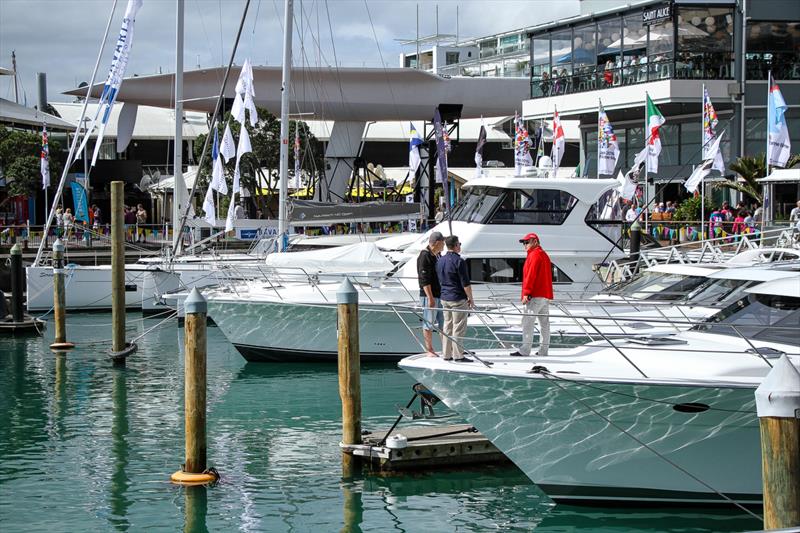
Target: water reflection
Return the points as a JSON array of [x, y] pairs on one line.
[[195, 509], [352, 510], [600, 520], [119, 449]]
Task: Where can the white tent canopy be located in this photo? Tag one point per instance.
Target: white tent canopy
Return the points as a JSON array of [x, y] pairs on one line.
[[782, 175]]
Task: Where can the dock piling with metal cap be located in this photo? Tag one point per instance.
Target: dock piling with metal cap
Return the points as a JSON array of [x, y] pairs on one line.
[[59, 302], [349, 373], [778, 407]]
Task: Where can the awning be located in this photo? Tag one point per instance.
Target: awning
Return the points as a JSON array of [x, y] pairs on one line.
[[782, 175], [13, 113]]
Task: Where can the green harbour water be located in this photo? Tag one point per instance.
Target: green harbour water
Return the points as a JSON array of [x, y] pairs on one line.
[[88, 447]]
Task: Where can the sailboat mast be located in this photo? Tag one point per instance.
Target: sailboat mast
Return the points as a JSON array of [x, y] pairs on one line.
[[179, 195], [283, 220]]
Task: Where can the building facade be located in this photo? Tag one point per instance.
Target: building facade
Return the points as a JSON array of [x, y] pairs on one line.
[[671, 51]]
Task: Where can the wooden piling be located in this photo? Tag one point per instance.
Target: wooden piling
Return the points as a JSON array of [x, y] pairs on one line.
[[194, 469], [59, 305], [349, 373], [17, 285], [118, 344], [778, 407]]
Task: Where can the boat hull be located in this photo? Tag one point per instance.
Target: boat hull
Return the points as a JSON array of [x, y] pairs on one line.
[[85, 288], [568, 436], [292, 332]]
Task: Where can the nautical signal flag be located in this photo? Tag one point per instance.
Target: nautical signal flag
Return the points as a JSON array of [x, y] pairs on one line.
[[778, 144], [522, 146], [413, 150], [654, 120], [607, 144], [45, 159], [479, 150], [709, 133]]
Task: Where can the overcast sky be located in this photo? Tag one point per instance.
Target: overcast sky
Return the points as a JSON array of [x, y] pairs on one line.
[[62, 37]]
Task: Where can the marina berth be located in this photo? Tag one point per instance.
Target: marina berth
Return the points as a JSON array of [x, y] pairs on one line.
[[488, 222], [640, 419]]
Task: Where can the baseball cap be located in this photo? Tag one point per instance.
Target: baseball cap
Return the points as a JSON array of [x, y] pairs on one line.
[[529, 237]]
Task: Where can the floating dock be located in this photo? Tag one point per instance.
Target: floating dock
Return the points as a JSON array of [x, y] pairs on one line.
[[426, 447]]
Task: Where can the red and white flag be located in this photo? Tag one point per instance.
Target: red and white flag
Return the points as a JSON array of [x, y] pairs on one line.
[[559, 141]]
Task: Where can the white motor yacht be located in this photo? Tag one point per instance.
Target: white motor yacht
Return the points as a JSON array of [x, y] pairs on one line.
[[272, 320], [663, 299], [645, 419]]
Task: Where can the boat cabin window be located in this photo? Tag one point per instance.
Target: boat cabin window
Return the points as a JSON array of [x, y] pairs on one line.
[[605, 217], [659, 286], [505, 270], [476, 204], [719, 292], [763, 317], [533, 206]]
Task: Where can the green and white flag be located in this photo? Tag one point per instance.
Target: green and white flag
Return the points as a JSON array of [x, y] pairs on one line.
[[654, 120]]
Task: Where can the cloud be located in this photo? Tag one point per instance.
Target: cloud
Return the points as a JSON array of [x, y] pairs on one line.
[[62, 38]]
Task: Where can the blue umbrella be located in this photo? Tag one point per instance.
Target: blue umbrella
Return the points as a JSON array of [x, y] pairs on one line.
[[579, 56]]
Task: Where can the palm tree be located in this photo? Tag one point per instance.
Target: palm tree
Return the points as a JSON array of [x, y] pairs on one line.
[[748, 170]]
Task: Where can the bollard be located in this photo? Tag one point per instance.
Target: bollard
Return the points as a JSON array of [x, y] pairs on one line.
[[194, 469], [778, 407], [17, 285], [118, 345], [636, 242], [349, 372], [59, 313]]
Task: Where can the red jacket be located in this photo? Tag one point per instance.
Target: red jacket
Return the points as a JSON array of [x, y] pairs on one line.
[[537, 275]]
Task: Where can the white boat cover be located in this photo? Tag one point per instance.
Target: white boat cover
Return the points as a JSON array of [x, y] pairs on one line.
[[359, 257]]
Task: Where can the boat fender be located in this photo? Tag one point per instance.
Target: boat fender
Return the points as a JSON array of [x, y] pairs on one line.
[[397, 442], [210, 475], [129, 349], [538, 369]]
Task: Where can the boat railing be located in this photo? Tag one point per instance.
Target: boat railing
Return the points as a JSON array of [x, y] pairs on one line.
[[596, 328], [705, 251]]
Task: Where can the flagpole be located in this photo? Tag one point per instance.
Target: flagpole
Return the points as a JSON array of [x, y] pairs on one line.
[[767, 187], [599, 108], [702, 158], [646, 162]]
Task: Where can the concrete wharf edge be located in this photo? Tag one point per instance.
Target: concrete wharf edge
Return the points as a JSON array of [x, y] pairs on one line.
[[432, 451]]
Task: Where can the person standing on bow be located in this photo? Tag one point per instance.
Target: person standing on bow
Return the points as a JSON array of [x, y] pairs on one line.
[[537, 291], [456, 299], [429, 290]]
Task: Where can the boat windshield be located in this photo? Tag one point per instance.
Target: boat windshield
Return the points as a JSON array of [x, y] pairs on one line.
[[476, 204], [764, 317], [719, 291], [659, 286]]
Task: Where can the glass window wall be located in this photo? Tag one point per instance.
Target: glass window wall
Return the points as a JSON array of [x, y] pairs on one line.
[[540, 71], [584, 58], [705, 43], [609, 51], [561, 74], [634, 49], [773, 46]]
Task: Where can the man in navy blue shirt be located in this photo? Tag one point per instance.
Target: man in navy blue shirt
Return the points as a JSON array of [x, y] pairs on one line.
[[456, 299]]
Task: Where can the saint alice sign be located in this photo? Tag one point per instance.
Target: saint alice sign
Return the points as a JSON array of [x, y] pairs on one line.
[[657, 15]]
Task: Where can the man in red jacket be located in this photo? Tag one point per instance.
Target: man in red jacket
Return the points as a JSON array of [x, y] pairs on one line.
[[537, 291]]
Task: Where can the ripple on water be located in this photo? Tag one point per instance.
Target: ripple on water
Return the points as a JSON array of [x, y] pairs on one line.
[[86, 447]]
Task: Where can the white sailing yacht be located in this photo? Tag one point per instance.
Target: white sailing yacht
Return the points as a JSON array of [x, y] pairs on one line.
[[640, 419]]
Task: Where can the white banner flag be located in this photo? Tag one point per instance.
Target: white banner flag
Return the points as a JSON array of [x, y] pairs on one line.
[[228, 148], [209, 208], [218, 182], [114, 80]]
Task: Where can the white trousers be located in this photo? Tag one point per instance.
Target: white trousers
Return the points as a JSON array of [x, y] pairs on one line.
[[536, 308]]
